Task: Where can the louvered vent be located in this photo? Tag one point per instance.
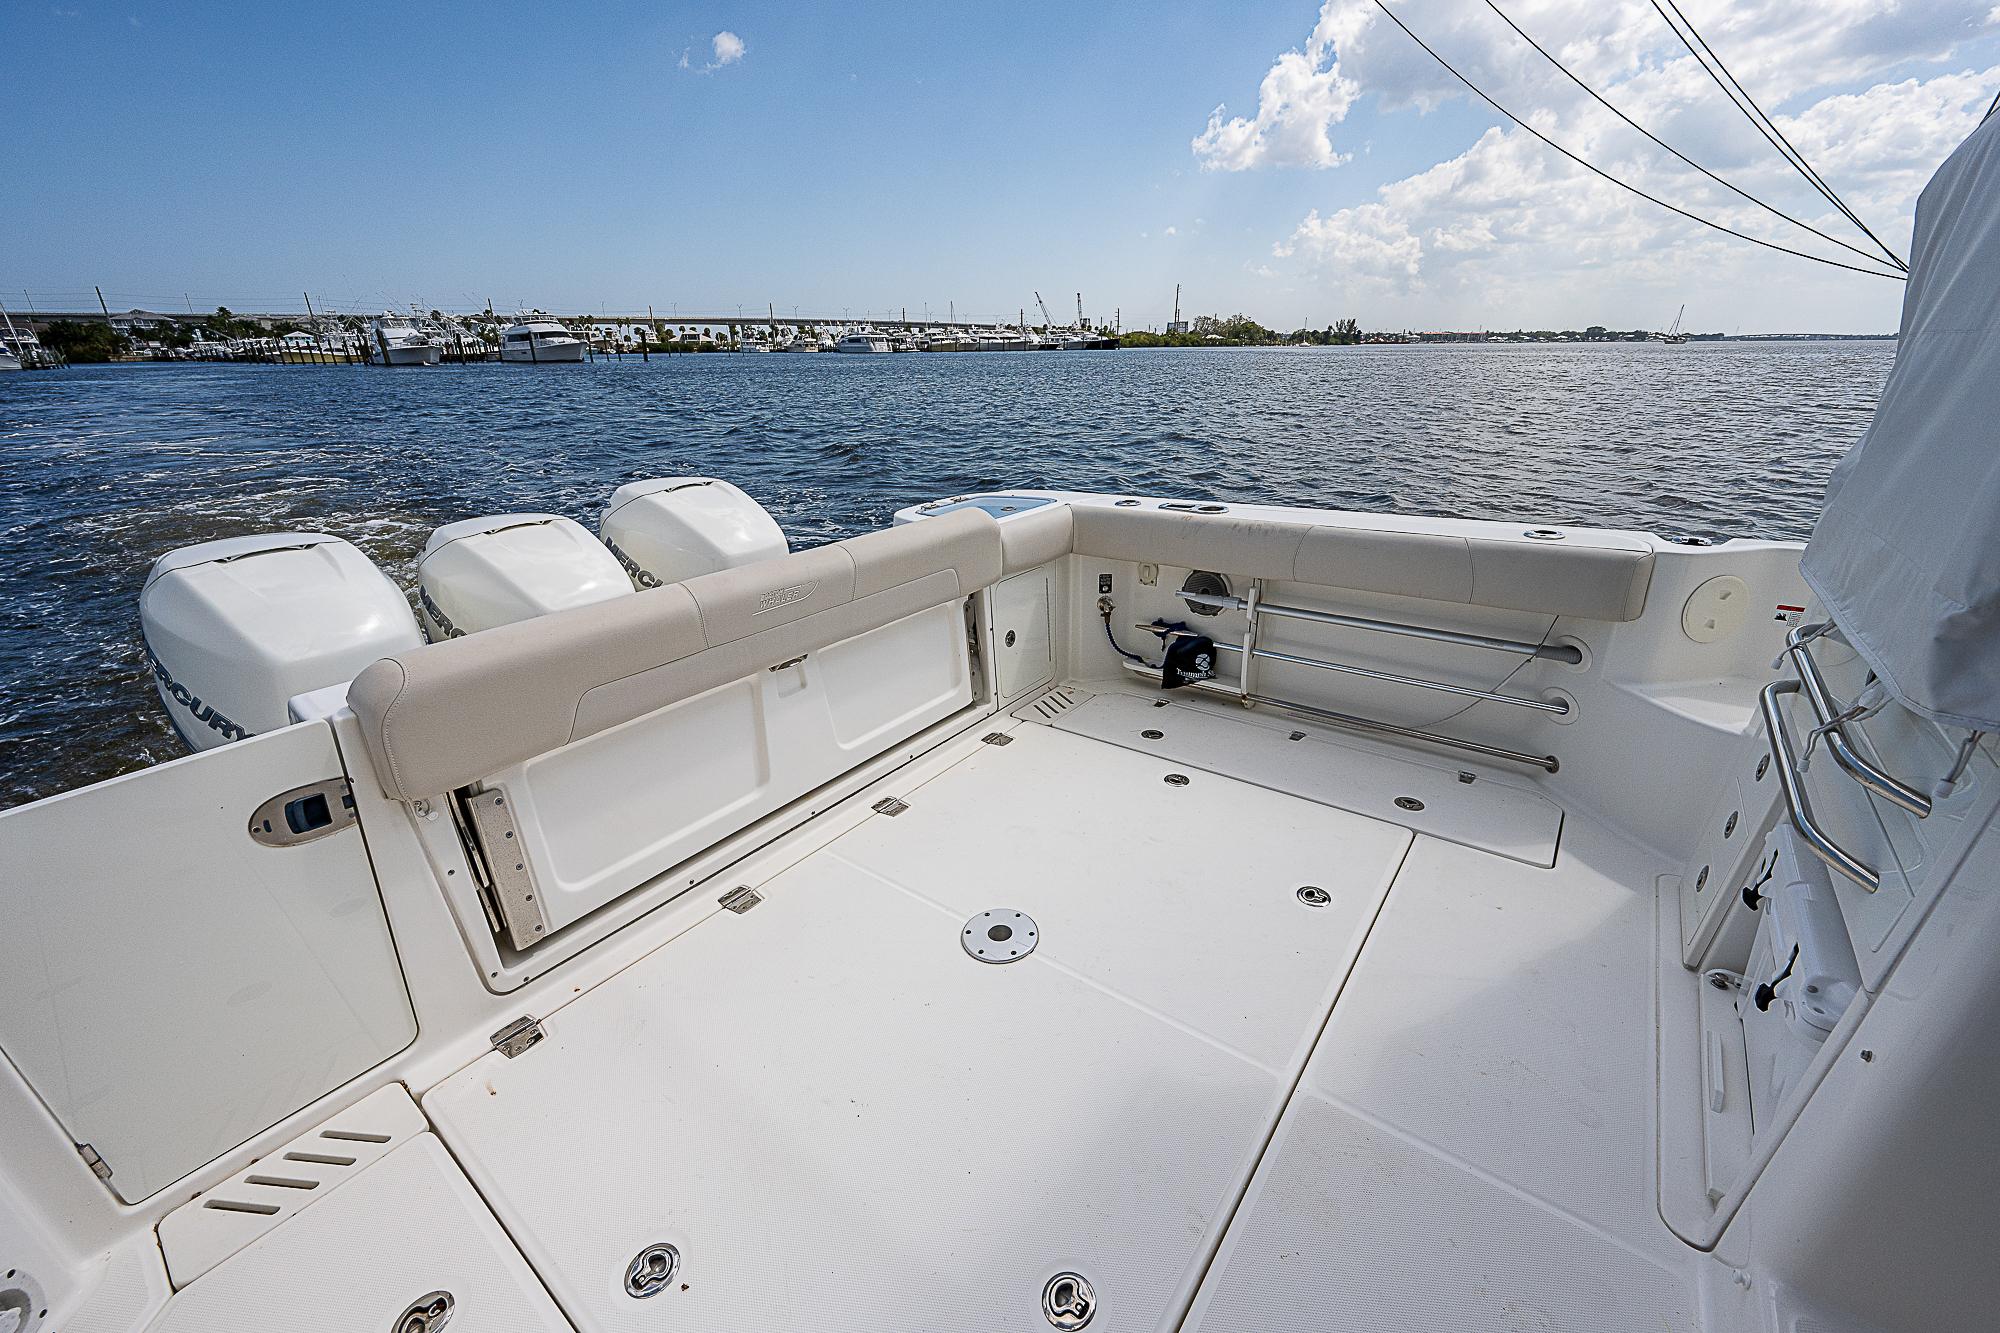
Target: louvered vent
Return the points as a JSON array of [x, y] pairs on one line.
[[207, 1229], [1048, 707]]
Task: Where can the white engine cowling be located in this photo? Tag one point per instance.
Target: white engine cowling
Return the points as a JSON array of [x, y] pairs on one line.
[[235, 628], [484, 572], [667, 529]]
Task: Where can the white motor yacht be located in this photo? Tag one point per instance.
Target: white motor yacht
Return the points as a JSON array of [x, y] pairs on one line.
[[1053, 910], [538, 339], [399, 341], [1000, 339], [863, 340]]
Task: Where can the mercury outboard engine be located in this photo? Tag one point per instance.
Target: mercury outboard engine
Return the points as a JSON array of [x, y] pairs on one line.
[[667, 529], [493, 571], [235, 628]]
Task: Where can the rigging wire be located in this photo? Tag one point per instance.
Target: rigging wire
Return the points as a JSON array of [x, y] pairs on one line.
[[1763, 123], [1601, 101], [1624, 185]]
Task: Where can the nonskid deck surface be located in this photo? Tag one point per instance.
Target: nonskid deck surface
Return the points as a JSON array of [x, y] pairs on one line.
[[844, 1121]]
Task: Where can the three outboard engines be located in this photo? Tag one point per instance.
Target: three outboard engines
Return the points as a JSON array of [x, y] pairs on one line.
[[249, 634]]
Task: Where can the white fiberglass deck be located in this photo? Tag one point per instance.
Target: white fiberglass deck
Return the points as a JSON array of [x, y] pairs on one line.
[[1435, 1089]]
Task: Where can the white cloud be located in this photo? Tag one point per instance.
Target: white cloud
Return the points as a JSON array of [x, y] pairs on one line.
[[1504, 226], [728, 49], [1171, 231], [1302, 97]]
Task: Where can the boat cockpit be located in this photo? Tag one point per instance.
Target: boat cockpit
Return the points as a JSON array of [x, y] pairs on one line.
[[1053, 910]]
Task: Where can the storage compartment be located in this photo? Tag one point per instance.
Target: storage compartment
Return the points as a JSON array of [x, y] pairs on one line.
[[602, 815], [193, 952], [1023, 652]]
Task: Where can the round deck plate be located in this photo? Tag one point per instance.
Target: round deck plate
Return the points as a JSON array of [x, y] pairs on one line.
[[1001, 935]]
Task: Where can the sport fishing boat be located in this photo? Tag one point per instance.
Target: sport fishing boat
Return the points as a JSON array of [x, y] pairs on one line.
[[20, 348], [399, 341], [1051, 910], [538, 339]]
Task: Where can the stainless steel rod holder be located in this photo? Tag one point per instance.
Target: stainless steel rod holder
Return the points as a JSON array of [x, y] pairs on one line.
[[1545, 762], [1798, 805], [1827, 709], [1550, 652], [1418, 682]]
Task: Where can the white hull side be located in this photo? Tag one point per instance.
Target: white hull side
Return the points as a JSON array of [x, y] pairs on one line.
[[8, 361], [543, 356], [411, 356]]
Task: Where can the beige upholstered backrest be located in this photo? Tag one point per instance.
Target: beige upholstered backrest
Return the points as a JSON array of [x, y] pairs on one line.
[[1590, 580], [447, 714]]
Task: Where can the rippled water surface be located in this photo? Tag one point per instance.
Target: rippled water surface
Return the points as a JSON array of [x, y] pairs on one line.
[[103, 468]]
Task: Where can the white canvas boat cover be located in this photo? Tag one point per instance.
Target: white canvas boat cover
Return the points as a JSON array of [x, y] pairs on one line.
[[1906, 555]]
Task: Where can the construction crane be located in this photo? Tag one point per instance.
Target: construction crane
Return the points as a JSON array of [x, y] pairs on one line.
[[1079, 312], [1176, 325], [1048, 320]]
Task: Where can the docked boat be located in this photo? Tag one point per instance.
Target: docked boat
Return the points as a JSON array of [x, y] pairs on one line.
[[400, 342], [863, 340], [20, 348], [539, 339], [1053, 909], [1005, 340]]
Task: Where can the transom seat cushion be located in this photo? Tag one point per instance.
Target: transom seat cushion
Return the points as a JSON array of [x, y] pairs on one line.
[[447, 714]]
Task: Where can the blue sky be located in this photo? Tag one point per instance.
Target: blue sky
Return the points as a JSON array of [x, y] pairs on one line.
[[855, 158]]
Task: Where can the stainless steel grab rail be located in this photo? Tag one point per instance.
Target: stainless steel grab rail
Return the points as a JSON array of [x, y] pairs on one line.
[[1827, 709], [1556, 706], [1798, 805], [1553, 652], [1546, 762]]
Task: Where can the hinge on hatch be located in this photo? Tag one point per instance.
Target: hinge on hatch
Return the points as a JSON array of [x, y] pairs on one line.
[[741, 899], [889, 805], [499, 846], [518, 1036], [98, 1166]]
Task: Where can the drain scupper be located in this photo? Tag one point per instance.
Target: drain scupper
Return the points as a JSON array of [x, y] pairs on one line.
[[1069, 1301], [1001, 935]]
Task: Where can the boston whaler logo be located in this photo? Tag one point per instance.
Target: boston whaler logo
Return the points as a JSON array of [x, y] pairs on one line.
[[786, 596], [180, 694]]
